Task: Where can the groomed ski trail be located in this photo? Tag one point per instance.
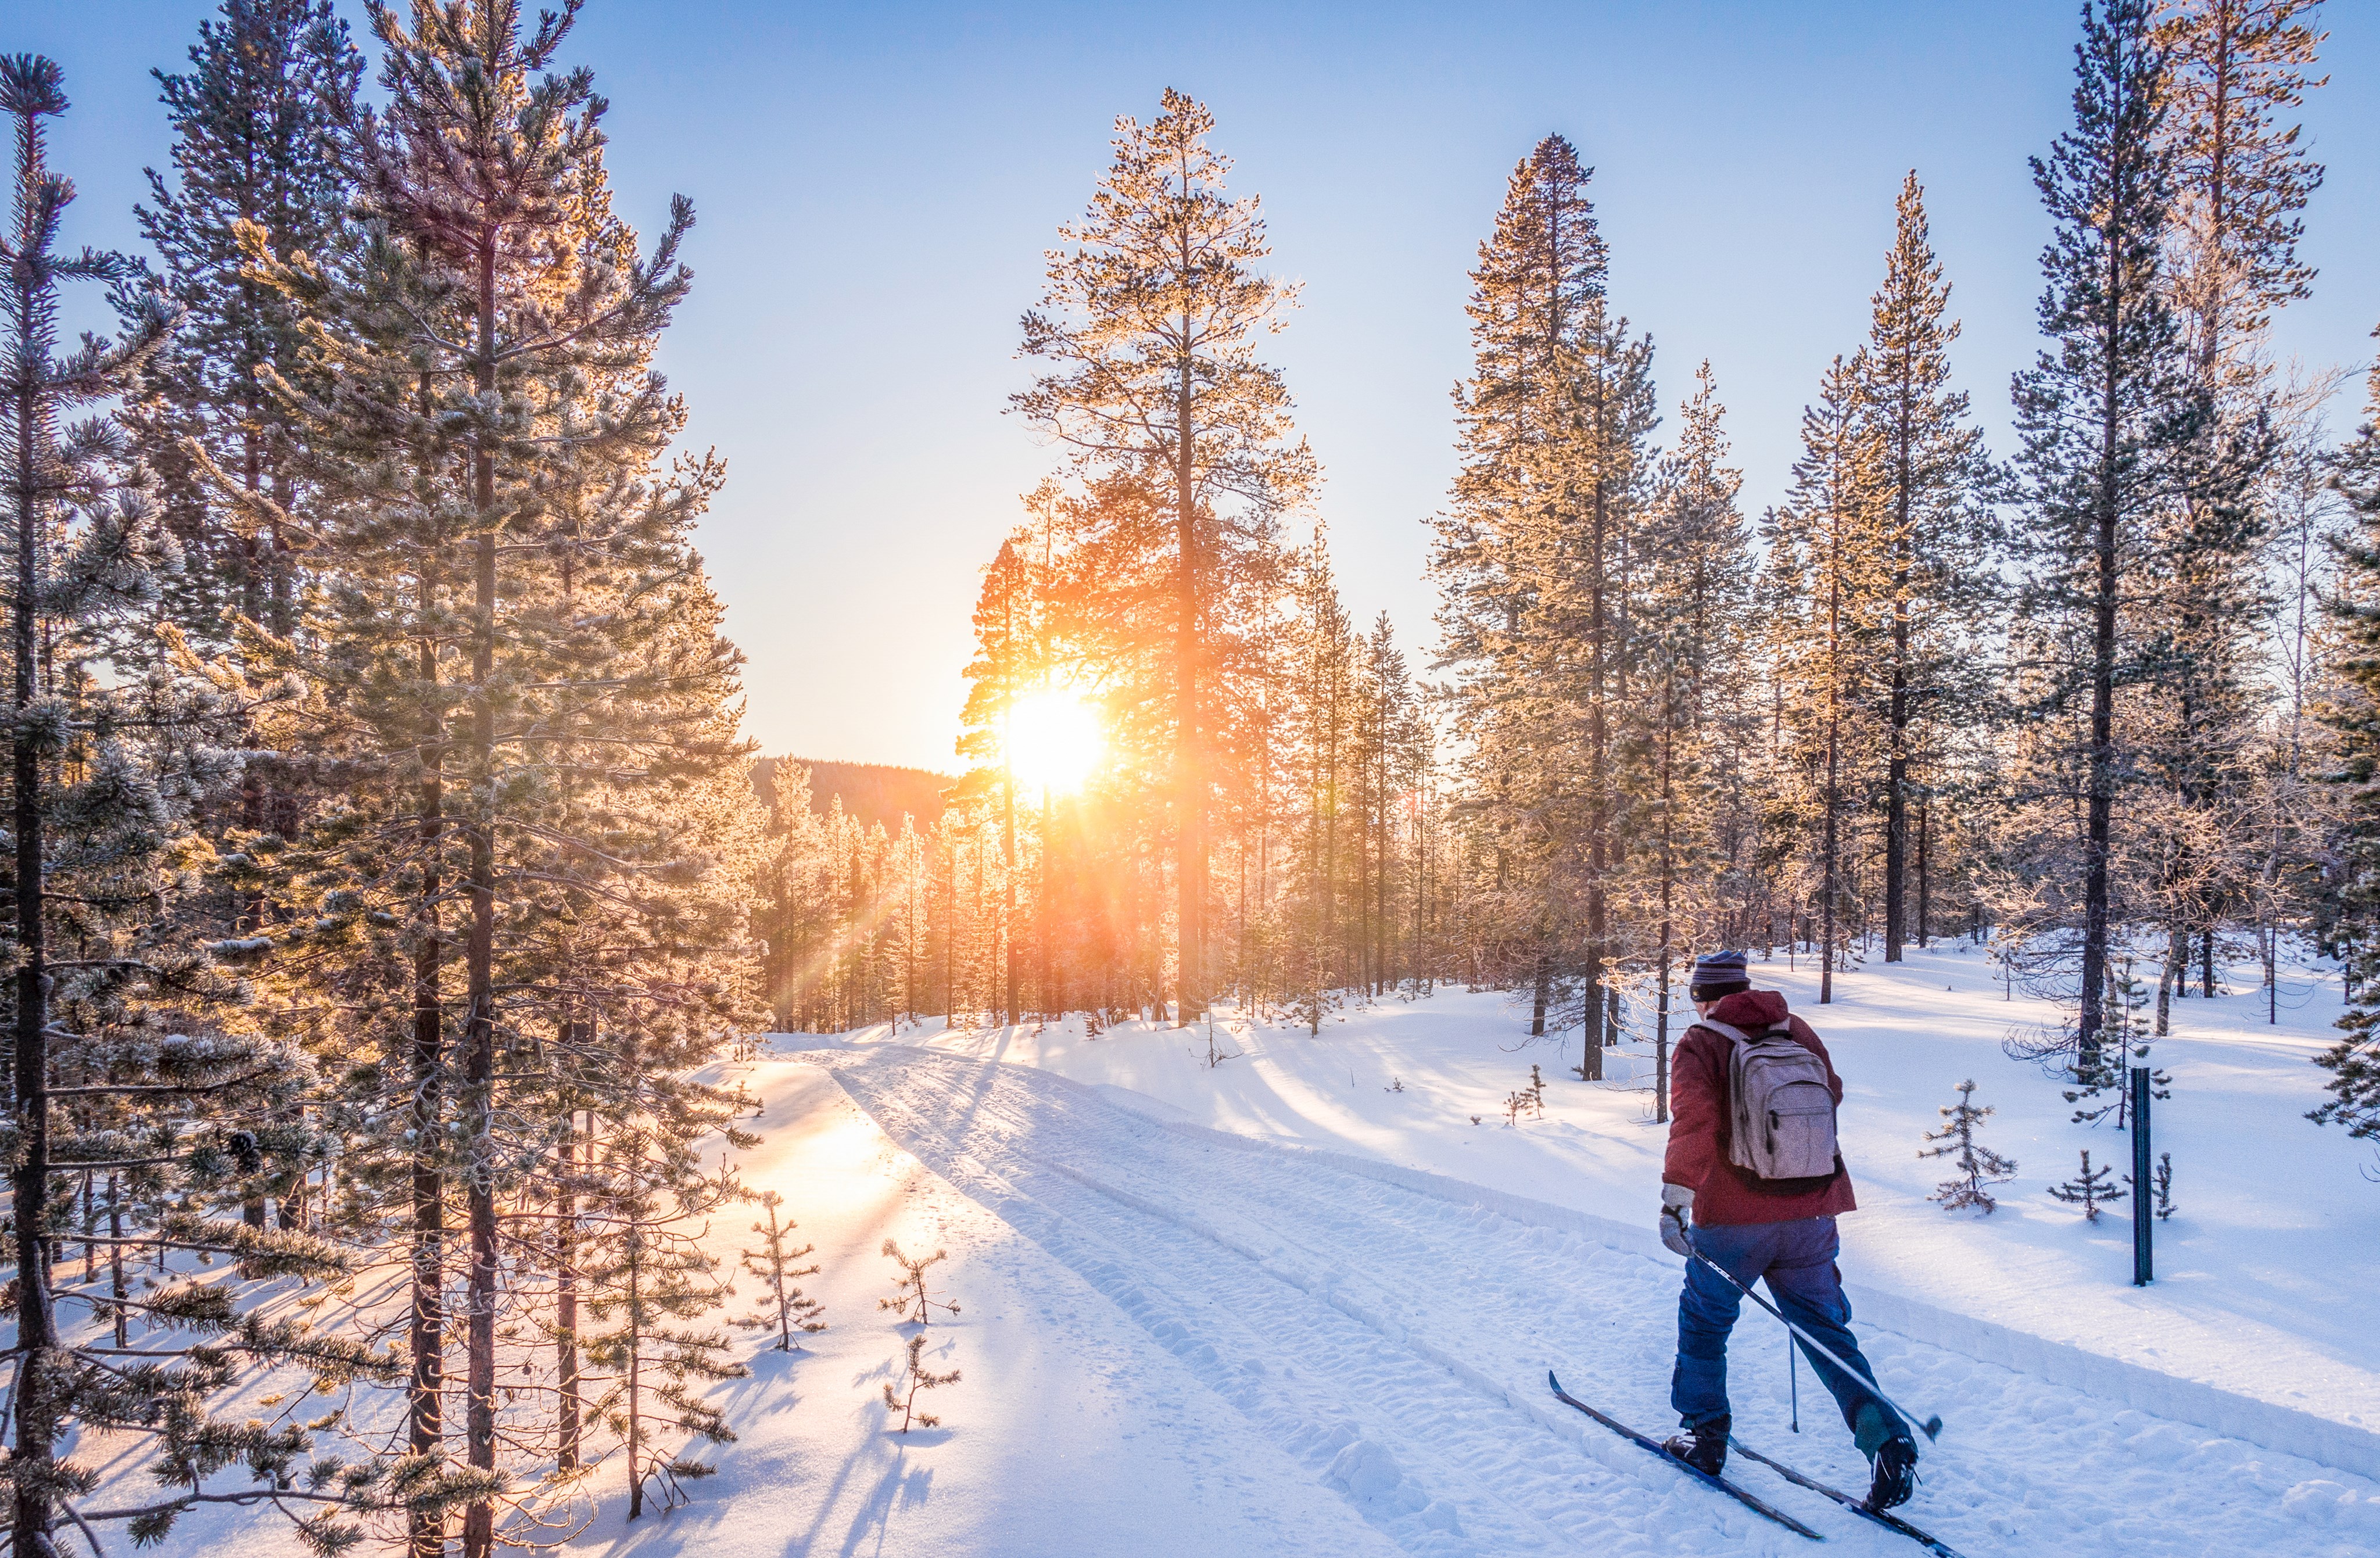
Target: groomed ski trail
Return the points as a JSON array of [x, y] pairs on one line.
[[1396, 1343]]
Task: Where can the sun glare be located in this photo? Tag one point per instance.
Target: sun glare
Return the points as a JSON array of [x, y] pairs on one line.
[[1054, 740]]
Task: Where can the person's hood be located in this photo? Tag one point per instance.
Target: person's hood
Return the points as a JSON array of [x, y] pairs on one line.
[[1751, 1009]]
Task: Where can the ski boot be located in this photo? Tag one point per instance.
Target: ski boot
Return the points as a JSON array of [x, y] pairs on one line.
[[1703, 1445], [1894, 1473]]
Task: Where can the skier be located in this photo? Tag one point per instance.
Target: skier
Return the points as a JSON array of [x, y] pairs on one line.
[[1761, 1202]]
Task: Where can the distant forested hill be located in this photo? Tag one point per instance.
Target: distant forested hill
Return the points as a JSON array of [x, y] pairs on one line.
[[872, 792]]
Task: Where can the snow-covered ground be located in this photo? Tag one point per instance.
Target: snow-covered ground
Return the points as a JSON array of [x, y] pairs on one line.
[[2265, 1275], [1282, 1307]]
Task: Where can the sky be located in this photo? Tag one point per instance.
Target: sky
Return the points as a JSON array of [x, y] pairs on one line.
[[875, 186]]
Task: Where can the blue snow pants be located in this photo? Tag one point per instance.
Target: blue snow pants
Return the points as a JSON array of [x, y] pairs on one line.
[[1797, 1259]]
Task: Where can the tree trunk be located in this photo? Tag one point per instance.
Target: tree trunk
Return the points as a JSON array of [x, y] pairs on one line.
[[565, 1284], [479, 1032], [36, 1406], [1190, 846]]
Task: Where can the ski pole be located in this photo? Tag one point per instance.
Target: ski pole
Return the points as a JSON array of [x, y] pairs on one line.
[[1793, 1381], [1931, 1427]]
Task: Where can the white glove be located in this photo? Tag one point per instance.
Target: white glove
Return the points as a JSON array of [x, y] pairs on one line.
[[1677, 1211]]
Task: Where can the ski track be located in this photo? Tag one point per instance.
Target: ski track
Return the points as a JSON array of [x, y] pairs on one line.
[[1396, 1345]]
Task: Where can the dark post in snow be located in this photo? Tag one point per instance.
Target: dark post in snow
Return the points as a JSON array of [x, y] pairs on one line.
[[2143, 1215]]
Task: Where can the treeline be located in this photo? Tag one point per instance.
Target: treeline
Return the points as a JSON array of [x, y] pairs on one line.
[[2100, 701], [382, 843]]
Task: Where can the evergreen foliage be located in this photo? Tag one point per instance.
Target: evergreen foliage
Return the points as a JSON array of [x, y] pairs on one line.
[[775, 1263], [901, 1393], [911, 1303], [1979, 1167], [2090, 1189], [1181, 439], [2108, 419]]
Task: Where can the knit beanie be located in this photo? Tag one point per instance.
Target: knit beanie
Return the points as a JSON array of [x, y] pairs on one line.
[[1719, 973]]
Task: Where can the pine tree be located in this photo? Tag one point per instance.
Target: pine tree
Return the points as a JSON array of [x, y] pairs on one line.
[[997, 677], [2235, 71], [1149, 324], [2352, 718], [1978, 1165], [901, 1393], [259, 144], [513, 603], [1930, 466], [106, 1074], [1530, 560], [1684, 735], [650, 1276], [2161, 1184], [2090, 1189], [912, 1303], [2105, 418], [774, 1263], [1831, 560]]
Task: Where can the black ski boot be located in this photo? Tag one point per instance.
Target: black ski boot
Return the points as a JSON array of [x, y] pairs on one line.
[[1896, 1473], [1703, 1445]]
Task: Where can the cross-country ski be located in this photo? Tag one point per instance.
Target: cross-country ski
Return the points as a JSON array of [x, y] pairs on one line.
[[1888, 1521], [1707, 1479]]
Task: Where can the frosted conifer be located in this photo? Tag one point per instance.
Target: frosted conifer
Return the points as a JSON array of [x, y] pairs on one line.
[[901, 1393], [2109, 415], [785, 1308], [912, 1303], [2090, 1189], [1182, 440], [1979, 1167]]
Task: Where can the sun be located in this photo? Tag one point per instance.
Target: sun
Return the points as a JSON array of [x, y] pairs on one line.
[[1054, 740]]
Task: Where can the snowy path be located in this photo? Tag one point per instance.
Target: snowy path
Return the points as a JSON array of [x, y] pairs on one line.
[[1395, 1344]]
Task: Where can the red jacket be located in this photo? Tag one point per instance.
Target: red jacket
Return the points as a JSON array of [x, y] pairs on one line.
[[1699, 1126]]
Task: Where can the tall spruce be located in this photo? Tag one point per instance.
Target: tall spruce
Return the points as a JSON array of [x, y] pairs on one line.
[[1148, 322], [132, 1056], [1832, 566], [2105, 416], [2352, 717], [259, 140], [1930, 468], [1529, 557]]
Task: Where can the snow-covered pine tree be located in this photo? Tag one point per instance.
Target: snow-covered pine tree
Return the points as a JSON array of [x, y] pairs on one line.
[[2107, 416], [2090, 1189], [1831, 566], [260, 139], [1553, 426], [1688, 848], [1389, 751], [2352, 716], [1323, 693], [131, 1056], [1003, 667], [901, 1392], [1979, 1167], [911, 1303], [1930, 468], [776, 1264], [513, 602], [648, 1275], [1149, 324], [2236, 75]]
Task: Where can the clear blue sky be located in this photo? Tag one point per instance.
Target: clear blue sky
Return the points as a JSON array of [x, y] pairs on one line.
[[876, 183]]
